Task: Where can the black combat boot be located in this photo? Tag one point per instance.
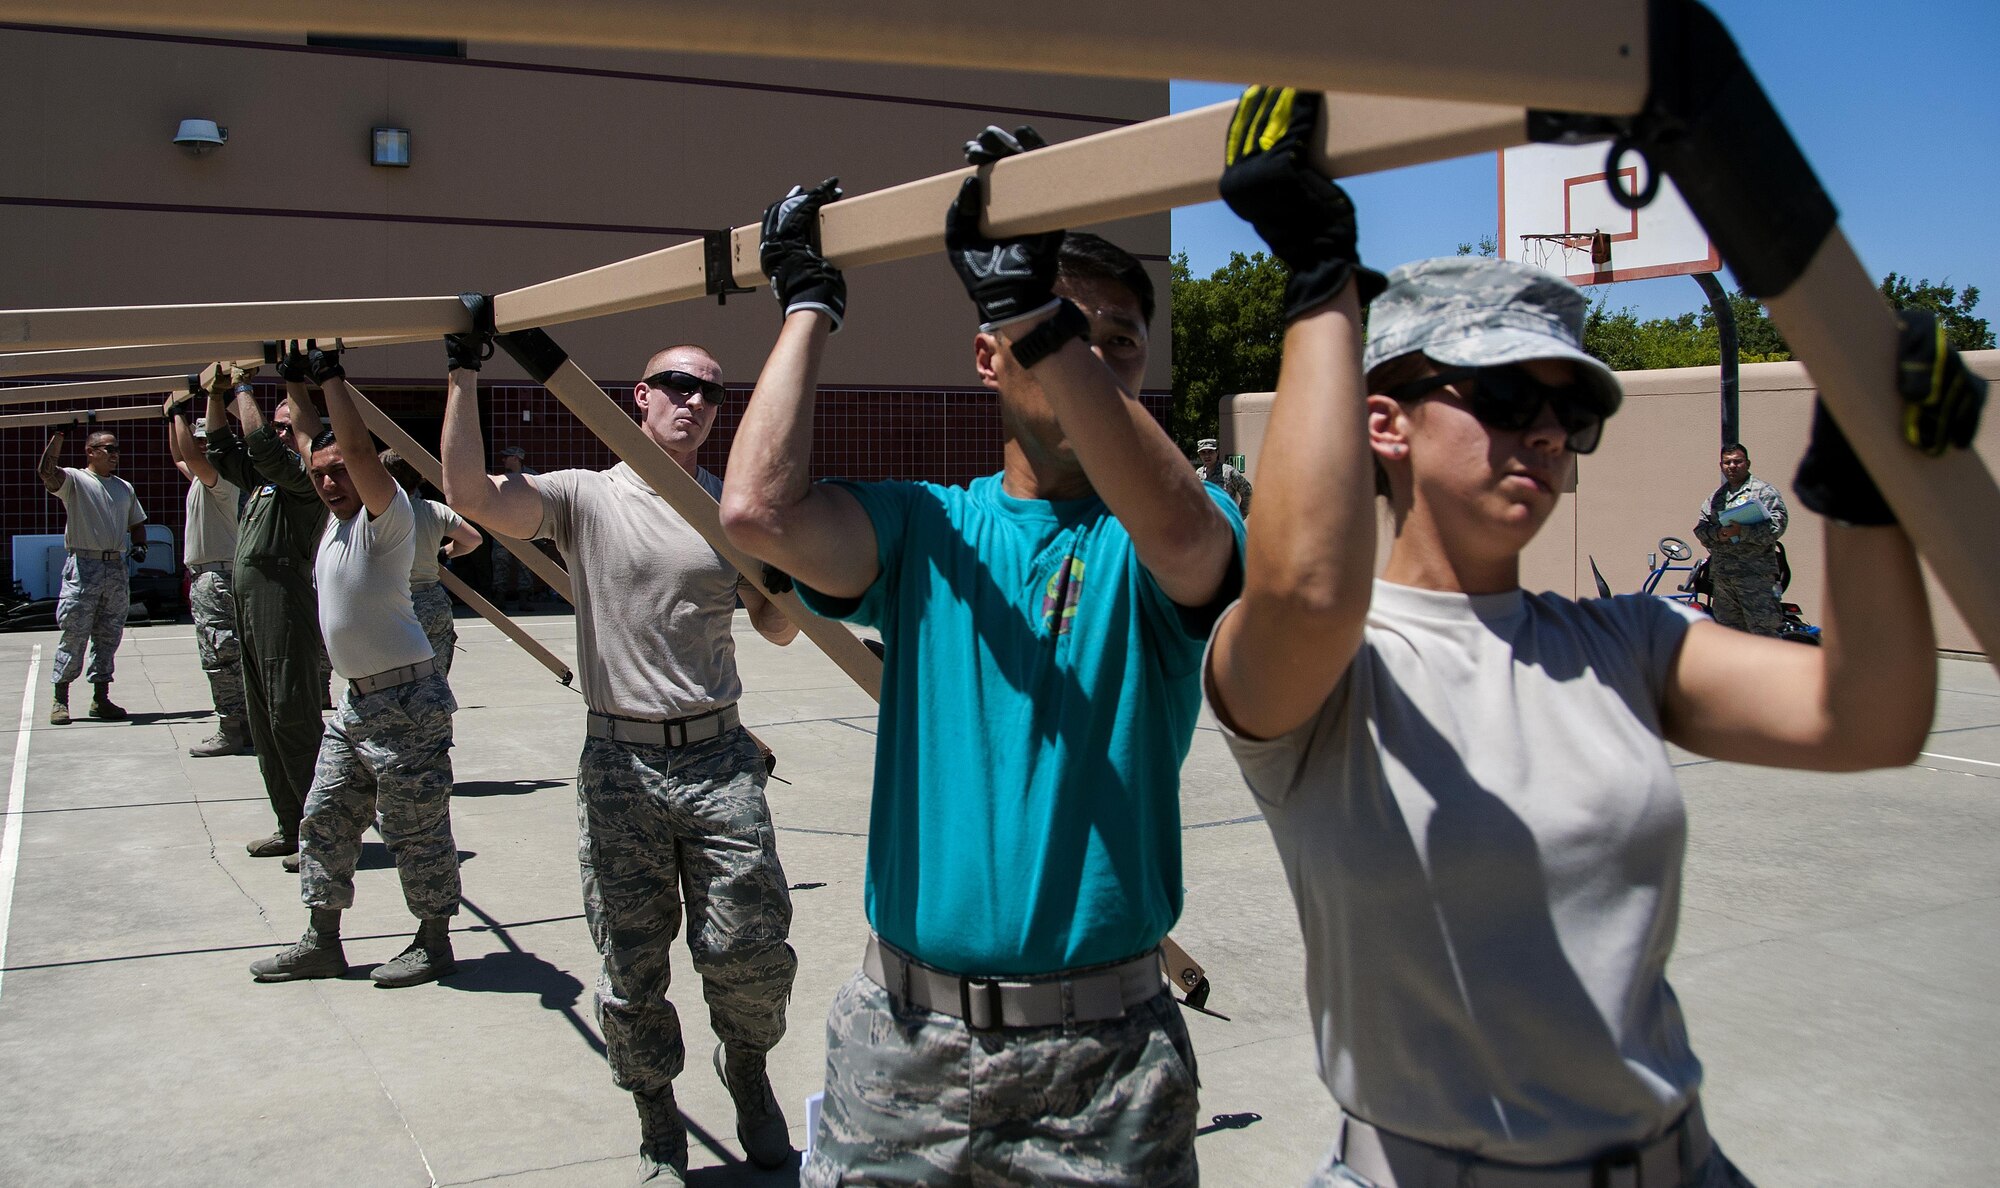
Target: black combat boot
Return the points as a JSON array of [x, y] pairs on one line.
[[663, 1140], [426, 959], [59, 712], [317, 955], [760, 1124], [100, 704]]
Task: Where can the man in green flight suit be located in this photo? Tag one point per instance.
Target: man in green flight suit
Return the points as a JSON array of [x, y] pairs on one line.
[[277, 611]]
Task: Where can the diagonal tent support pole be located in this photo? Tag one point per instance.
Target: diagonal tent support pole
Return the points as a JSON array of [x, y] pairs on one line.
[[549, 365], [508, 627], [143, 386], [382, 426], [1708, 124]]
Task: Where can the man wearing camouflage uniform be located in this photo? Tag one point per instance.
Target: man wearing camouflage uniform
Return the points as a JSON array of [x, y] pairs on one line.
[[438, 527], [277, 613], [100, 510], [1741, 524], [1222, 474], [670, 787], [208, 547], [1043, 629], [386, 755]]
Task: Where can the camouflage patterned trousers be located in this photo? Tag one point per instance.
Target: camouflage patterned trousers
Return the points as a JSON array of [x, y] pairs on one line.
[[659, 827], [385, 759], [214, 605], [1747, 598], [90, 610], [916, 1097], [433, 603]]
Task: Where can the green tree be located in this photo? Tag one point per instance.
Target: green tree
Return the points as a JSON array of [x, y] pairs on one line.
[[1627, 343], [1953, 307], [1229, 331]]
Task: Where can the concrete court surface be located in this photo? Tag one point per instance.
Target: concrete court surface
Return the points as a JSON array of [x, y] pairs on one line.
[[1839, 956]]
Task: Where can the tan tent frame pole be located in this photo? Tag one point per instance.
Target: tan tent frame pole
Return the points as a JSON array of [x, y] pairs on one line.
[[1350, 45], [83, 417], [95, 388], [694, 504], [131, 358], [508, 627], [1141, 169], [392, 434]]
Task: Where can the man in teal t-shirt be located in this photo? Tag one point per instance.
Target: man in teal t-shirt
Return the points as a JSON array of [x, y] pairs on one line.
[[1043, 631]]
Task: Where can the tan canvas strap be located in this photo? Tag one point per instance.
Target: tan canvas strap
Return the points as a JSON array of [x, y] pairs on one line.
[[395, 676], [1053, 1000], [210, 567], [676, 732], [98, 554], [1392, 1161]]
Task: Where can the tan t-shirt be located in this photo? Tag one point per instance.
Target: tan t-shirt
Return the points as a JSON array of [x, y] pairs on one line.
[[101, 511], [654, 600], [1483, 836], [211, 522], [434, 522], [363, 575]]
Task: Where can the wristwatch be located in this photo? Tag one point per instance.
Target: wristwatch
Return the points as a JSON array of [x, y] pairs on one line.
[[1047, 338]]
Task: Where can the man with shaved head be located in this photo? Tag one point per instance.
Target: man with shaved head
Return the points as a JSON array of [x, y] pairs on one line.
[[102, 510], [670, 786]]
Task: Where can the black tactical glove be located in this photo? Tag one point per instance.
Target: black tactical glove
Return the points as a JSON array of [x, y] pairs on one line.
[[1941, 399], [291, 364], [996, 143], [1306, 219], [323, 362], [1832, 481], [139, 552], [1006, 278], [789, 253], [467, 352]]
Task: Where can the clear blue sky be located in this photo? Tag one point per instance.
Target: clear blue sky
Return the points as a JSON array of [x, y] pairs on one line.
[[1897, 107]]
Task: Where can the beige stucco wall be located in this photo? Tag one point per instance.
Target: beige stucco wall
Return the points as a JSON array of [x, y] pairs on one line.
[[1656, 466], [87, 146]]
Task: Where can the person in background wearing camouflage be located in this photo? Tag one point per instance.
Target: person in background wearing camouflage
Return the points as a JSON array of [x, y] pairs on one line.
[[1741, 524], [670, 787], [1222, 474], [208, 547], [386, 755], [437, 527], [277, 614], [101, 509], [1043, 631]]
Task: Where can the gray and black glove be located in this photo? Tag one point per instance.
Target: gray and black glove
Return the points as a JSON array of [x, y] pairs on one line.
[[291, 363], [1305, 218], [139, 552], [1006, 278], [323, 362], [1832, 481], [789, 253]]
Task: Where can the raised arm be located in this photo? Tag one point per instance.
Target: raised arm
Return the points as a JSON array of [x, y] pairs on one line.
[[189, 456], [509, 503], [1311, 553], [49, 469], [1863, 699], [371, 479], [770, 507]]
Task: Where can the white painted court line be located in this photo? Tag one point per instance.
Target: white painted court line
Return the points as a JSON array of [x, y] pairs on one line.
[[1956, 759], [17, 796]]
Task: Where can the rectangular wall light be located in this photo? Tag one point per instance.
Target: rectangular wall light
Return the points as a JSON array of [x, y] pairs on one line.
[[391, 146]]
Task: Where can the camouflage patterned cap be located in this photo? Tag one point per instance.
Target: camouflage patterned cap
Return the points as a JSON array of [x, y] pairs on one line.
[[1206, 443], [1470, 311]]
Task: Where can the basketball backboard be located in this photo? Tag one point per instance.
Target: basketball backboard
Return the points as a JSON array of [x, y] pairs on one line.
[[1555, 208]]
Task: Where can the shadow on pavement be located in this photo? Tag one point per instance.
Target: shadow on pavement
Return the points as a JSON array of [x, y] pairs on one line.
[[148, 718], [503, 787]]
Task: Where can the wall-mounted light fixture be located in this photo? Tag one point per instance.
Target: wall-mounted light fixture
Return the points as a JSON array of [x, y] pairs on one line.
[[391, 147], [199, 136]]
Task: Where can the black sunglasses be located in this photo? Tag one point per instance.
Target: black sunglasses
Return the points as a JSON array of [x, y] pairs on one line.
[[1510, 398], [687, 385], [109, 449]]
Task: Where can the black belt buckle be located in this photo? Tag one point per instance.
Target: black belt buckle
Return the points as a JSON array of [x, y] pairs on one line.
[[979, 1003], [1600, 1171]]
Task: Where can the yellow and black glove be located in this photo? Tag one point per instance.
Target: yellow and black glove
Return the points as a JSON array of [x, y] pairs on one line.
[[1305, 218], [1941, 399]]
